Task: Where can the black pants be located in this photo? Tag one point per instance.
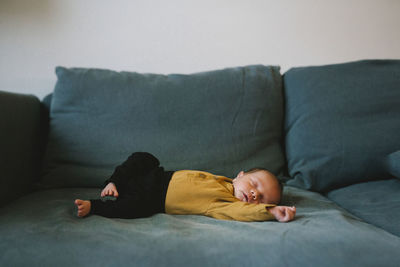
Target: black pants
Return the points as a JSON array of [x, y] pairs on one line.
[[142, 187]]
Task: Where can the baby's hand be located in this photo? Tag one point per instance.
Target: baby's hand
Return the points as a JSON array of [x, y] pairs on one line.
[[109, 190], [283, 213]]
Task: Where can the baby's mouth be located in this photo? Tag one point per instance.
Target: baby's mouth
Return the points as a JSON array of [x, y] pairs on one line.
[[246, 199]]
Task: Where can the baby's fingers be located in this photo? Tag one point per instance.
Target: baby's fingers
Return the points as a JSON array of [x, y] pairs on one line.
[[290, 215]]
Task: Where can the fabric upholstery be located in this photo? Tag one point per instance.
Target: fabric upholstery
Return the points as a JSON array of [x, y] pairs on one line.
[[220, 121], [42, 229], [341, 122], [20, 157], [392, 164], [376, 202]]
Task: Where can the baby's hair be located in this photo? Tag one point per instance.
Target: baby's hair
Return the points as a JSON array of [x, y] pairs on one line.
[[256, 169]]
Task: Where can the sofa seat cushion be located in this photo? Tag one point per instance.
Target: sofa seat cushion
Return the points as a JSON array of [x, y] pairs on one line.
[[41, 229], [376, 202], [219, 121]]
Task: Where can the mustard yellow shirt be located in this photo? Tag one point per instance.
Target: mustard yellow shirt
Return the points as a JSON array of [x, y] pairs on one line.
[[202, 193]]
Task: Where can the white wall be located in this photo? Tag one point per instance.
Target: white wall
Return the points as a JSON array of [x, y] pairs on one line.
[[178, 36]]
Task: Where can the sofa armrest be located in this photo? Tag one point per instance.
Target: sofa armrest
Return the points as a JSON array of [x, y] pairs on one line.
[[20, 144]]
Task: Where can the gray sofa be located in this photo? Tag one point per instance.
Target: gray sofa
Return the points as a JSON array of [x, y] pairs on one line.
[[331, 133]]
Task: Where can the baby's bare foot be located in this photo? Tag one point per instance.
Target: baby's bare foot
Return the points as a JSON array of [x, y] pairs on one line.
[[83, 207]]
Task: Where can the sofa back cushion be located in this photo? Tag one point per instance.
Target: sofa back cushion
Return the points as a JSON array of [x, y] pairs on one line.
[[341, 122], [392, 164], [220, 121]]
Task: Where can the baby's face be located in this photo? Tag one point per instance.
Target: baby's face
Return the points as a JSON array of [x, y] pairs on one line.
[[257, 187]]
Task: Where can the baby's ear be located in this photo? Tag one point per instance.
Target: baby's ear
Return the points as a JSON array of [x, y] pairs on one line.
[[240, 174]]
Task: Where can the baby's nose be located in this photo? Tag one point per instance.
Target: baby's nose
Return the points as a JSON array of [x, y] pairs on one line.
[[254, 194]]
